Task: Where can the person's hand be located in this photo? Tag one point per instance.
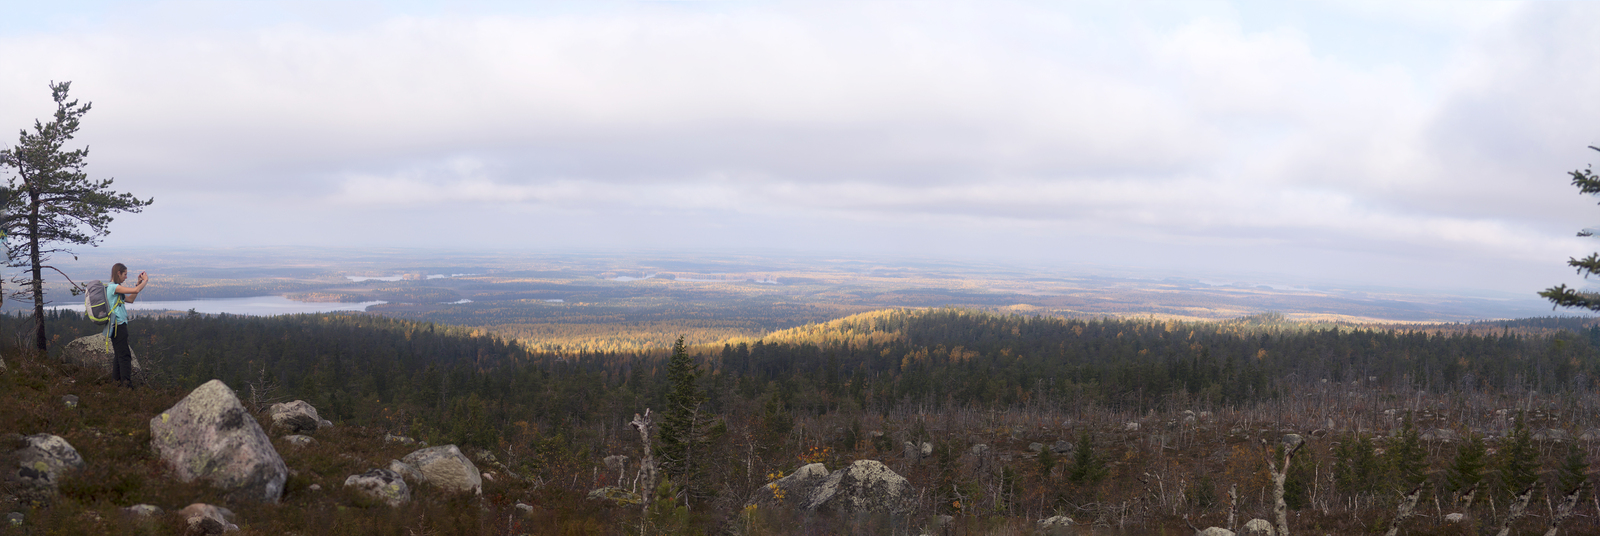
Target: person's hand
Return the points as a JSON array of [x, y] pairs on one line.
[[143, 277]]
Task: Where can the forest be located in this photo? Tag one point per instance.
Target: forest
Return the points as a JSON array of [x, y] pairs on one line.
[[1162, 418]]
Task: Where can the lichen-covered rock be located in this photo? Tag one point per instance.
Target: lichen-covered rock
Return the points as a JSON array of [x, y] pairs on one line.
[[1259, 527], [94, 352], [382, 484], [446, 468], [1214, 531], [1056, 526], [616, 495], [210, 436], [407, 471], [792, 490], [296, 417], [70, 401], [1062, 447], [864, 486], [41, 463], [203, 518], [143, 510]]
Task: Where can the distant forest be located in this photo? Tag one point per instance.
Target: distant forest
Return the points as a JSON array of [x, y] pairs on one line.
[[368, 369]]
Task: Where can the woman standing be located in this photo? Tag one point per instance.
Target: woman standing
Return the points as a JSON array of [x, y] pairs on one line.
[[122, 358]]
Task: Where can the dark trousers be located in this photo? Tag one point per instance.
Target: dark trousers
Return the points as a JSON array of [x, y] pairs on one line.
[[122, 356]]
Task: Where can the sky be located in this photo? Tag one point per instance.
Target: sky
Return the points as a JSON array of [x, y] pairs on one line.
[[1402, 144]]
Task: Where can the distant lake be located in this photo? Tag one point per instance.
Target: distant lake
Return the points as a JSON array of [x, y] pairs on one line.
[[255, 306]]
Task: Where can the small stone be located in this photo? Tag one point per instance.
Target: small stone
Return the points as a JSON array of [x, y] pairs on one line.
[[70, 400], [980, 449], [1455, 517], [524, 508], [14, 518], [143, 510], [487, 476], [326, 423], [1036, 447], [1130, 427], [299, 440], [314, 487]]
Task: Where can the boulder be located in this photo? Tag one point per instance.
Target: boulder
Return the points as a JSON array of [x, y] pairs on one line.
[[616, 495], [142, 511], [14, 519], [1214, 531], [865, 486], [326, 423], [299, 440], [93, 352], [41, 463], [1439, 434], [70, 401], [1062, 447], [1259, 527], [1130, 427], [792, 489], [381, 484], [1592, 434], [210, 436], [446, 468], [1455, 517], [524, 508], [1291, 441], [295, 417], [203, 518], [1056, 526], [407, 471], [1552, 434], [1036, 447], [980, 449], [403, 440]]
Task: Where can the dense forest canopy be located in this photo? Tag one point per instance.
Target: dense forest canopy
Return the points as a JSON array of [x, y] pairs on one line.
[[364, 367]]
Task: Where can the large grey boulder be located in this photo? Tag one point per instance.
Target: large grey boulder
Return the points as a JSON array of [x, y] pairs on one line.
[[1214, 531], [446, 468], [1259, 527], [793, 489], [407, 471], [865, 486], [381, 484], [42, 461], [94, 352], [296, 417], [210, 436]]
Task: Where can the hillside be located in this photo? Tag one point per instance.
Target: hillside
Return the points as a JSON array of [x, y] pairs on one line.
[[1174, 414]]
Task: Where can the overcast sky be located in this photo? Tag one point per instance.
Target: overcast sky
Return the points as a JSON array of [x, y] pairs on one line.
[[1403, 144]]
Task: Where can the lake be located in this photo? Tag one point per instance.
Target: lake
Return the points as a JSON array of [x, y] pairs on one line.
[[255, 306]]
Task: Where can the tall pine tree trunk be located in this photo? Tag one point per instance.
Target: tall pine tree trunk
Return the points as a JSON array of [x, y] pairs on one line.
[[38, 276]]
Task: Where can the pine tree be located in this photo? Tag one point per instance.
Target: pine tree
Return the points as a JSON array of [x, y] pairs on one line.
[[52, 201], [1357, 468]]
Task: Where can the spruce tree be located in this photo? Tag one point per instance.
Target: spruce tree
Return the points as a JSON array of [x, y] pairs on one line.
[[1517, 463], [1574, 471], [1588, 183], [1406, 459], [687, 426], [1466, 470]]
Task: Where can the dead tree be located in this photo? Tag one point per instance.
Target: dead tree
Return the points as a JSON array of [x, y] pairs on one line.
[[1568, 504], [1518, 508], [1233, 504], [647, 467], [1407, 508], [1280, 509]]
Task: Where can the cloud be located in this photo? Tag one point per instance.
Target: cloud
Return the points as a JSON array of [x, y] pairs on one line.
[[1245, 128]]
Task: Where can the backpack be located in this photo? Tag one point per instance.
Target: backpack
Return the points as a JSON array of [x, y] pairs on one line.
[[94, 303]]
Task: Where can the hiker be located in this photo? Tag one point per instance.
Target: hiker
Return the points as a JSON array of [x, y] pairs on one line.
[[122, 358]]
